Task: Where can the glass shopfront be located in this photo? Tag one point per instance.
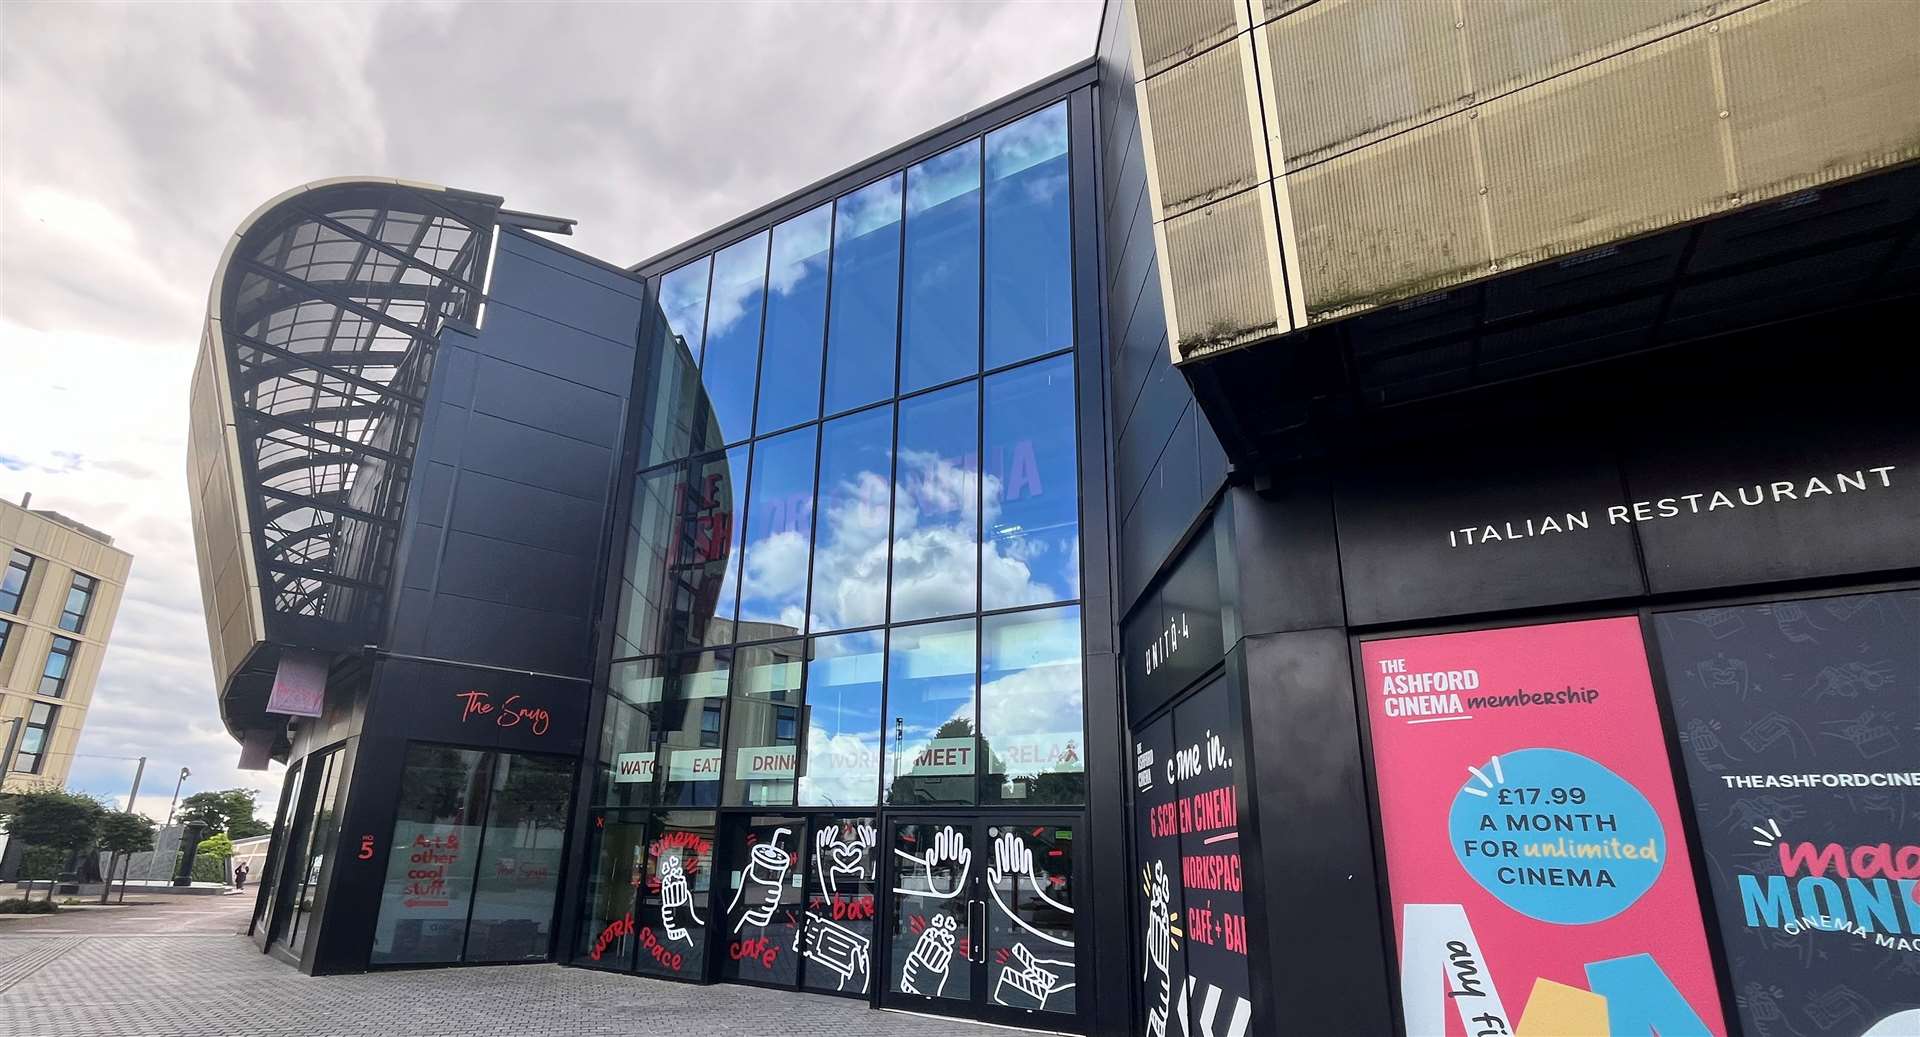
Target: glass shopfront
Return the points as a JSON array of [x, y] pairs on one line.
[[475, 859], [851, 586]]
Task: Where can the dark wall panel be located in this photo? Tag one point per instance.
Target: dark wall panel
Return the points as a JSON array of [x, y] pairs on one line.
[[539, 458], [1284, 572], [515, 574], [1315, 869]]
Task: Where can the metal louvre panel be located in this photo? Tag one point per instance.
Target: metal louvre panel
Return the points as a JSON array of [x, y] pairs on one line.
[[1170, 33], [1203, 147], [1220, 265]]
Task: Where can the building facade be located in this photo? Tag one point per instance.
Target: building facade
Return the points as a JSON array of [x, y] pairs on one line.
[[1129, 560], [58, 599]]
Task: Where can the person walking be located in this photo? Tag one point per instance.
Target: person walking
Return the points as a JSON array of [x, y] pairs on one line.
[[240, 876]]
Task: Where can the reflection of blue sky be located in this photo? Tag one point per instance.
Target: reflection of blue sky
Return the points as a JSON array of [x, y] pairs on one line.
[[842, 761], [733, 334], [850, 553], [683, 299], [940, 304], [930, 671], [1030, 692], [1031, 487], [796, 315], [869, 209], [943, 177], [1027, 143], [779, 518]]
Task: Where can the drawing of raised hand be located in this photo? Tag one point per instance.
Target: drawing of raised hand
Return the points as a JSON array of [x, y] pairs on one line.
[[676, 900], [836, 857], [926, 970], [1012, 857], [949, 848]]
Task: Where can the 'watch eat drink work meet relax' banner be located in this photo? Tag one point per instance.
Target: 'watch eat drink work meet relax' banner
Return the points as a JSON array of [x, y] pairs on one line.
[[1539, 873]]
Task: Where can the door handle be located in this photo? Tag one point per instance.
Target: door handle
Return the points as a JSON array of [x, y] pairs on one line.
[[976, 947]]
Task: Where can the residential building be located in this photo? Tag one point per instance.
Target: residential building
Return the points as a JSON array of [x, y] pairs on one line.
[[58, 599]]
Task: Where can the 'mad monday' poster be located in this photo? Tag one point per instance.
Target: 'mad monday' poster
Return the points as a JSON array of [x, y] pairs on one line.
[[1539, 872]]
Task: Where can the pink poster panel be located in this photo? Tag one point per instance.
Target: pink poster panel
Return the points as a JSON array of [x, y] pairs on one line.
[[1540, 877]]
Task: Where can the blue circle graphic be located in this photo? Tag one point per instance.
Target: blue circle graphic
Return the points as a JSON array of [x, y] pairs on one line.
[[1556, 836]]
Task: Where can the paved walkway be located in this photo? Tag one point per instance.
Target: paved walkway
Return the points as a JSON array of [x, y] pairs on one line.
[[179, 968]]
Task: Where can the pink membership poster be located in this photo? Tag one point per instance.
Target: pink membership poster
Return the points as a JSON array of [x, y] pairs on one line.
[[1540, 877]]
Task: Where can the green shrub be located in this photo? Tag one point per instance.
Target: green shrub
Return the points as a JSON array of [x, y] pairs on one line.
[[208, 868], [24, 906]]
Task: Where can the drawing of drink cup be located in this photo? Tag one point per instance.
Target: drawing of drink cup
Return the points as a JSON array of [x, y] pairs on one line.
[[760, 887], [925, 972]]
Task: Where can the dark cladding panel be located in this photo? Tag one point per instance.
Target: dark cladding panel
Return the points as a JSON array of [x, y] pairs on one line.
[[551, 345], [1314, 904], [459, 705], [1749, 481], [1483, 522], [525, 281], [540, 459], [541, 400], [515, 574], [1166, 505], [495, 634], [1284, 572], [502, 510]]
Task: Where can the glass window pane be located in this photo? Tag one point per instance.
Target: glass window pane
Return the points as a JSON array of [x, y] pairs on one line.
[[936, 504], [683, 547], [1029, 239], [796, 321], [838, 939], [732, 353], [932, 752], [863, 321], [841, 762], [14, 582], [33, 740], [627, 758], [931, 911], [676, 896], [432, 857], [683, 303], [765, 894], [850, 552], [646, 596], [687, 737], [762, 760], [616, 857], [1031, 553], [317, 847], [520, 859], [773, 587], [1032, 726], [674, 400], [732, 481], [940, 318]]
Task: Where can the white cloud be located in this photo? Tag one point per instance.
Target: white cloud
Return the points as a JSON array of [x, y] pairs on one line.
[[135, 138]]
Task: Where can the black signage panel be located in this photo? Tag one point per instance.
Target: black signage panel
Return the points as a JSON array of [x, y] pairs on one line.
[[1175, 634], [1796, 480], [1800, 728], [482, 708], [1486, 520]]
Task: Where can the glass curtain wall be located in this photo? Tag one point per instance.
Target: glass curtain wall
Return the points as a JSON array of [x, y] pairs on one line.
[[852, 571]]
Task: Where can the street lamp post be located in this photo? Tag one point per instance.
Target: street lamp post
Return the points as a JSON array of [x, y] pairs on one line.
[[184, 775]]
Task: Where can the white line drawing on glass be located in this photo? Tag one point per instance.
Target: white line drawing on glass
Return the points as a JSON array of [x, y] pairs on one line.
[[760, 887], [925, 972], [1210, 1008], [839, 949], [676, 896], [1159, 950], [949, 847], [1012, 856], [1031, 983], [835, 856]]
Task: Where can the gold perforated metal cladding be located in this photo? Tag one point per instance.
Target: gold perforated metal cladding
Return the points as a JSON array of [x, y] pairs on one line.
[[1397, 219], [1275, 8], [1511, 43], [1173, 30], [1203, 142], [1222, 285], [1787, 63], [1606, 152], [1346, 73]]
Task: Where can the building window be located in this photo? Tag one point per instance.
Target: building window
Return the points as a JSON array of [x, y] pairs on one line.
[[6, 631], [53, 679], [14, 584], [79, 602], [32, 754]]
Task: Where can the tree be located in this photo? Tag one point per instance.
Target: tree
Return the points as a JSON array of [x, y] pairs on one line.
[[216, 845], [228, 810], [122, 833], [53, 819]]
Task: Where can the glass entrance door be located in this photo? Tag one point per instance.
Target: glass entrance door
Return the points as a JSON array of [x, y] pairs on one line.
[[982, 920]]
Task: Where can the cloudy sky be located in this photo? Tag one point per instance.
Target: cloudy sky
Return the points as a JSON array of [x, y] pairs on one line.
[[133, 139]]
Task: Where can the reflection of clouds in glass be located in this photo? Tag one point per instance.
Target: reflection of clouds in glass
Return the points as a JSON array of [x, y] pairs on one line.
[[868, 209], [1027, 143], [842, 769], [933, 537], [683, 299], [738, 272], [776, 572], [1031, 716], [799, 249], [943, 177], [850, 558]]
